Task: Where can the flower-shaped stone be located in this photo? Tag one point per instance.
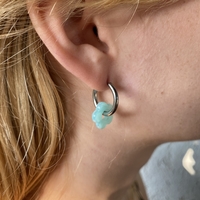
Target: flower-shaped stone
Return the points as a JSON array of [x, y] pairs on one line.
[[98, 117]]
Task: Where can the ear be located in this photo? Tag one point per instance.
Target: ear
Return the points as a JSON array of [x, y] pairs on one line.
[[74, 43]]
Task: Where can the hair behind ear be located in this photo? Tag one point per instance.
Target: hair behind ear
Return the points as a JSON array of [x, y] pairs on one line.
[[32, 119]]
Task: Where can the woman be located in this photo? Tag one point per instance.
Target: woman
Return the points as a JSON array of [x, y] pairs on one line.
[[54, 53]]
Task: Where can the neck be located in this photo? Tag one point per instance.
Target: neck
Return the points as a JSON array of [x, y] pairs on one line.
[[99, 171], [95, 170], [100, 164]]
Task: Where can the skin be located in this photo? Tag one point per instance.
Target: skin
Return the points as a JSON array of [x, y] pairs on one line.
[[153, 61]]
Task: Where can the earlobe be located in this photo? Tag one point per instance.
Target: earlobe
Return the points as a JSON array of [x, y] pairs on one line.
[[76, 48]]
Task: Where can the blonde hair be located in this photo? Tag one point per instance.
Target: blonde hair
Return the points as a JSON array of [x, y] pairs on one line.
[[32, 118]]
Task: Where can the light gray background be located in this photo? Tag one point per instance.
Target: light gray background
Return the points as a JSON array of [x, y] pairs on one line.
[[164, 176]]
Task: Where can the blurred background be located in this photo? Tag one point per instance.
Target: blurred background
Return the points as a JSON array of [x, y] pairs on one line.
[[173, 172]]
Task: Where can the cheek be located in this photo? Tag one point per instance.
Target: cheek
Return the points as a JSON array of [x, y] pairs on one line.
[[161, 69], [168, 97]]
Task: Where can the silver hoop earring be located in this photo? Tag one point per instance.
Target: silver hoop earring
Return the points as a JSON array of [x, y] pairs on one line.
[[103, 112]]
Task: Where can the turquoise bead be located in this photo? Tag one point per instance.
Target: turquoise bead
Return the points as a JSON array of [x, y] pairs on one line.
[[98, 117]]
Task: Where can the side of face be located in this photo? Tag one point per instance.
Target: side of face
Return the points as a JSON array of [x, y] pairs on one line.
[[152, 58], [156, 64]]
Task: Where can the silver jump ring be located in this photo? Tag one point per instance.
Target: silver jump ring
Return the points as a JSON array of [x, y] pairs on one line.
[[115, 100]]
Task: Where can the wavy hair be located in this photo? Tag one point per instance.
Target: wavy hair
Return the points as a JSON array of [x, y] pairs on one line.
[[33, 134]]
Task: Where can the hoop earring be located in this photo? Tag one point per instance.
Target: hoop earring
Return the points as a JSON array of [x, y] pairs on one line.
[[103, 112]]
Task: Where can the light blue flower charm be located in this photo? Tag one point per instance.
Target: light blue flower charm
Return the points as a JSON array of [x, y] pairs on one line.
[[98, 117]]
